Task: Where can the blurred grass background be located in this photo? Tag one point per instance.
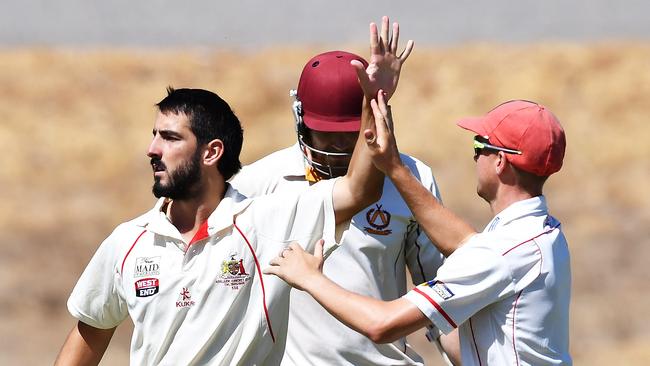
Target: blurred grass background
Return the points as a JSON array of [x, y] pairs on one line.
[[75, 125]]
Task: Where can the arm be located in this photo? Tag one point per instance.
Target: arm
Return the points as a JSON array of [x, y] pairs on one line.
[[85, 345], [445, 229], [381, 321], [450, 344], [363, 183]]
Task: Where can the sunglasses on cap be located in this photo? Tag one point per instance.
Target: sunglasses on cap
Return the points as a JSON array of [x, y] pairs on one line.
[[483, 145]]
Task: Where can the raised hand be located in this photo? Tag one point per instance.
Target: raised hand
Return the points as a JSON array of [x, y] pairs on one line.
[[381, 139], [384, 65]]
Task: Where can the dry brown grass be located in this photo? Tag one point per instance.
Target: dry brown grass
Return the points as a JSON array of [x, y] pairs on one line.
[[75, 126]]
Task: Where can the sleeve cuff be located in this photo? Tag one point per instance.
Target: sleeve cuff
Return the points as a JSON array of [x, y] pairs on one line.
[[431, 309]]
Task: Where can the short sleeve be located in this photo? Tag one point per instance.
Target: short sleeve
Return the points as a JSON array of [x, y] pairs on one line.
[[96, 299], [473, 277]]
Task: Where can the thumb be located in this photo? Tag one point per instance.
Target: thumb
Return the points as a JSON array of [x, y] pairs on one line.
[[318, 253], [318, 249], [364, 81]]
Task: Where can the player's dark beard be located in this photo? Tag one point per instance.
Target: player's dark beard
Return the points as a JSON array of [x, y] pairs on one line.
[[183, 180]]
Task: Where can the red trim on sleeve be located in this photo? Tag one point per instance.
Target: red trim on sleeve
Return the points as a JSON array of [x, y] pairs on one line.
[[130, 249], [259, 272], [435, 304]]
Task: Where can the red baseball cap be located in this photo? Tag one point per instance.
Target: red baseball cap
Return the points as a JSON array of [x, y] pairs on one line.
[[330, 92], [525, 126]]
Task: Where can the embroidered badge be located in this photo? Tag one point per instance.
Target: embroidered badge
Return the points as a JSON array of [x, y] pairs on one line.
[[378, 220], [441, 289], [146, 287], [185, 299], [146, 266], [233, 273]]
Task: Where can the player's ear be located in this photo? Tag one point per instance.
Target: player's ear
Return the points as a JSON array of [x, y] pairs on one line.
[[500, 163], [213, 152]]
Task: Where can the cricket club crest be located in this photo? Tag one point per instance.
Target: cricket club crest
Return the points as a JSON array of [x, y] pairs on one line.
[[233, 273], [378, 220]]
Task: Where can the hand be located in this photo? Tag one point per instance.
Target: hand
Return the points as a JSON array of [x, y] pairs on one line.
[[384, 66], [297, 267], [381, 139]]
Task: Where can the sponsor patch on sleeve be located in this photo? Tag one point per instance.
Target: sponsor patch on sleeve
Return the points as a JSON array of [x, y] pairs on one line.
[[441, 289]]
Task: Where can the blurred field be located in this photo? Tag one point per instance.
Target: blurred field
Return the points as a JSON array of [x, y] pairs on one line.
[[75, 126]]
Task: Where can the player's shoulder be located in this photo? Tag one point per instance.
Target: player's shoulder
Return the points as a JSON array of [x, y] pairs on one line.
[[131, 229], [417, 166], [278, 158], [274, 164], [422, 172]]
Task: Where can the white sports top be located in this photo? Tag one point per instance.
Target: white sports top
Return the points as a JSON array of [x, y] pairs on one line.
[[383, 240], [507, 289], [206, 302]]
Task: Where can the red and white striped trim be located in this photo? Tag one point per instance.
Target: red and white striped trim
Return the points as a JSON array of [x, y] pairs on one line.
[[437, 306]]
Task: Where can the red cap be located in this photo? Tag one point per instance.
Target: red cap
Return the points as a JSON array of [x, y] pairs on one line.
[[525, 126], [330, 92]]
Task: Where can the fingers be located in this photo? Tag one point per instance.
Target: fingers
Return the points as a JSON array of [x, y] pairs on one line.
[[384, 33], [374, 39], [295, 247], [407, 51], [272, 270], [389, 120], [380, 111], [394, 41], [282, 253], [277, 261], [381, 103], [382, 118]]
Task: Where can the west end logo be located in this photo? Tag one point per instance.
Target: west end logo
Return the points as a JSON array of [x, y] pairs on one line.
[[379, 220], [147, 266], [185, 299], [233, 273], [146, 287]]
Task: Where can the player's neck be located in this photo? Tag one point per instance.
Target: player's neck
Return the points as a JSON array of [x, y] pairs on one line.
[[506, 196], [188, 215]]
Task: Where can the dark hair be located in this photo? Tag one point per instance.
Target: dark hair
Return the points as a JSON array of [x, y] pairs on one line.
[[210, 118]]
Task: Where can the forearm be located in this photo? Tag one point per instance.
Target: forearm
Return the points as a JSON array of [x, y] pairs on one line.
[[381, 321], [85, 345], [443, 227], [450, 344], [363, 183]]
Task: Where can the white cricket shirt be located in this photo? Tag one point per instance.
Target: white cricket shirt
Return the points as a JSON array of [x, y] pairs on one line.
[[507, 289], [383, 239], [206, 302]]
